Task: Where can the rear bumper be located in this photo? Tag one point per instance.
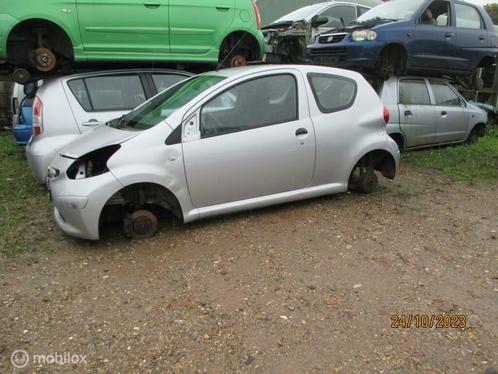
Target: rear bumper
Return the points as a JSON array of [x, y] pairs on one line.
[[22, 134]]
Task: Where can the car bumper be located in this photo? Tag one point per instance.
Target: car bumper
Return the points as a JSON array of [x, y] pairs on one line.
[[345, 54], [39, 157], [22, 134], [79, 203]]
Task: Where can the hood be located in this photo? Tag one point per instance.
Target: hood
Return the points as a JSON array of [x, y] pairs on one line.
[[367, 25], [100, 137]]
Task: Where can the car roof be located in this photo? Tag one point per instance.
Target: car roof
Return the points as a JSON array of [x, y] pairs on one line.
[[88, 74]]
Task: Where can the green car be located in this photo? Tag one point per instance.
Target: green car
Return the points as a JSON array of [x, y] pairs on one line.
[[39, 36]]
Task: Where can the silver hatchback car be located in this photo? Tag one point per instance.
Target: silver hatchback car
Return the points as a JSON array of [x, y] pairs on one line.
[[66, 107], [429, 111], [222, 142]]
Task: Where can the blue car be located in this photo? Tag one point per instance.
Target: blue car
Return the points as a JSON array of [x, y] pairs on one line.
[[22, 119], [432, 37]]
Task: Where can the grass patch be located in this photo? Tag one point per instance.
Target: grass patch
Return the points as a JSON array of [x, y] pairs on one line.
[[463, 163], [25, 213]]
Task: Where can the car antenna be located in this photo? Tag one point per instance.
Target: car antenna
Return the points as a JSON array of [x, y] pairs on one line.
[[220, 64]]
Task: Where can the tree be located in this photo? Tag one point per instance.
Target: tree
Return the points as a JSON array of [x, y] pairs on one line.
[[492, 10]]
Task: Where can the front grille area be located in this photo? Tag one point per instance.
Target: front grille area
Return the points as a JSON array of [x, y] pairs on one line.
[[329, 56], [334, 38]]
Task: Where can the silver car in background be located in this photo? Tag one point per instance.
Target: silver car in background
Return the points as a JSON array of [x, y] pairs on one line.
[[222, 142], [430, 111], [66, 107]]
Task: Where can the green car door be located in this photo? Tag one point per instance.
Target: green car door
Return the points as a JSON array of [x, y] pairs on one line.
[[197, 26], [124, 26]]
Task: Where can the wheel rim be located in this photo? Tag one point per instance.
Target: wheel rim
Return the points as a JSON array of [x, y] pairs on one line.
[[45, 59]]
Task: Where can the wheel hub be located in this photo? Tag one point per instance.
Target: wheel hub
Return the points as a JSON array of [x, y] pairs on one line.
[[237, 61], [45, 59]]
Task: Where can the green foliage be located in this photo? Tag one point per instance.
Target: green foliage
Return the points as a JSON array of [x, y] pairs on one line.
[[492, 10], [25, 213], [463, 163]]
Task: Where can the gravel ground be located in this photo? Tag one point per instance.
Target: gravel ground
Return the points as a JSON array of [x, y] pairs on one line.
[[306, 287]]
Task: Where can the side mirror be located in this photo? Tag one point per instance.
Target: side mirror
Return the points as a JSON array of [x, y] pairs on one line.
[[317, 21]]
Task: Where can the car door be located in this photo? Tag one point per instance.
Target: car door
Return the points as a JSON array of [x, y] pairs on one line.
[[451, 117], [256, 139], [98, 99], [334, 14], [435, 38], [472, 37], [124, 26], [197, 26], [418, 119]]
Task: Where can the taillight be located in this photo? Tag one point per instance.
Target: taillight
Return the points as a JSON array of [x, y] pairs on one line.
[[37, 117], [257, 13], [386, 115]]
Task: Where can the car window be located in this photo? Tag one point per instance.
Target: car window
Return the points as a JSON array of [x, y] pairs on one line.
[[362, 10], [332, 93], [256, 103], [391, 10], [335, 13], [437, 14], [467, 17], [120, 92], [166, 103], [413, 92], [77, 87], [164, 81], [444, 95]]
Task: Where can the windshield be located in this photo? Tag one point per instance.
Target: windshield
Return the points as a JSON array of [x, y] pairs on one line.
[[301, 13], [393, 11], [163, 105]]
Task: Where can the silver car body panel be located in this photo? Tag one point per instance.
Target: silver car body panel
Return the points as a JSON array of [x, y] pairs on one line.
[[64, 119], [227, 173], [429, 125]]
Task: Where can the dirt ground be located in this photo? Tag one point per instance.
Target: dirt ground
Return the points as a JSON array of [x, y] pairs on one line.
[[309, 287]]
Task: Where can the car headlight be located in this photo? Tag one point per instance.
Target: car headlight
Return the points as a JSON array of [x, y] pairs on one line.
[[362, 35], [92, 164]]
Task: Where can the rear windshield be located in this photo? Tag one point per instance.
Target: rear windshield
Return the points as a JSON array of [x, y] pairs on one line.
[[163, 105]]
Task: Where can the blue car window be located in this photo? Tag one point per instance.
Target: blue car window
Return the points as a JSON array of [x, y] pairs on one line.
[[467, 17], [413, 92]]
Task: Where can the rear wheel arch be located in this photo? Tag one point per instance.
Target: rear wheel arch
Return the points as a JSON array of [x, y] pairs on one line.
[[381, 160], [239, 42]]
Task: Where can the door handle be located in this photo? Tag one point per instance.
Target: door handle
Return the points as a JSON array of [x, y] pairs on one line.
[[482, 38], [444, 114], [301, 131], [92, 122], [449, 34], [408, 113], [152, 5], [223, 8]]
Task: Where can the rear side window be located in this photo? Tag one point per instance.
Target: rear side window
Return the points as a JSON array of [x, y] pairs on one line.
[[444, 95], [362, 10], [78, 89], [335, 13], [467, 17], [108, 93], [413, 92], [332, 93], [165, 81], [255, 103]]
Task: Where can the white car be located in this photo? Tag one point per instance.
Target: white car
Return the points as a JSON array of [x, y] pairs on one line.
[[66, 107], [225, 141]]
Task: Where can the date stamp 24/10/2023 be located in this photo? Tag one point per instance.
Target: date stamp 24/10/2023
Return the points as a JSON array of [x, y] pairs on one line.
[[427, 321]]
